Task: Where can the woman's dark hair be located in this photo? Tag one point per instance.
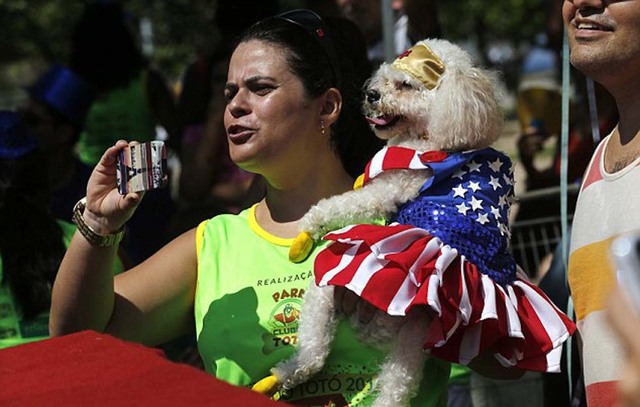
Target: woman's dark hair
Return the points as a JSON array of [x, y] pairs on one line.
[[104, 49], [351, 137], [31, 242]]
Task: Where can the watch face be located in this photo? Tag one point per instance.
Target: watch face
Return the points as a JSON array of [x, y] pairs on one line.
[[142, 167]]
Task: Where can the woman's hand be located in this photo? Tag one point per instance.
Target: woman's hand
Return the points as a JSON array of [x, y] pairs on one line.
[[106, 210]]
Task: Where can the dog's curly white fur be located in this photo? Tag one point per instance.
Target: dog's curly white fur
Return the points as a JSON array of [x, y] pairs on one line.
[[460, 113]]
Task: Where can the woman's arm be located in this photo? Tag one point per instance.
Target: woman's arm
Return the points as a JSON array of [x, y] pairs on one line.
[[151, 303]]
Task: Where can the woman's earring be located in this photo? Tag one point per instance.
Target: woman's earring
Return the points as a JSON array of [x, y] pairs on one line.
[[322, 126]]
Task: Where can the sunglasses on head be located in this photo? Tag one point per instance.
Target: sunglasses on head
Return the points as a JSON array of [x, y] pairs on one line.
[[313, 25]]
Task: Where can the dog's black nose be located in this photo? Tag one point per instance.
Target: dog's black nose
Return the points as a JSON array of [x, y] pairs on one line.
[[373, 96]]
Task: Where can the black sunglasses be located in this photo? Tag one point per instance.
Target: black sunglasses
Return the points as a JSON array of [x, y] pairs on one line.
[[313, 25]]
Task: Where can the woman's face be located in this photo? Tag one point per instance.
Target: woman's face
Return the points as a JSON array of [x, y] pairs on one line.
[[271, 124]]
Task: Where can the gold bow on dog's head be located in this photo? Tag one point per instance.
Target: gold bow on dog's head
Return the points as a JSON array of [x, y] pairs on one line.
[[421, 63]]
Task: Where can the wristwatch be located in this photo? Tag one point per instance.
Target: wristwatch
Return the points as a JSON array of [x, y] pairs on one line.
[[88, 233]]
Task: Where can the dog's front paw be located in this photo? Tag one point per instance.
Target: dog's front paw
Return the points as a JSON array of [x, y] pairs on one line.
[[301, 247], [267, 386]]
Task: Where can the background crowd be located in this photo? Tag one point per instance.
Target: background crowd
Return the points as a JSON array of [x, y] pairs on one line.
[[115, 73]]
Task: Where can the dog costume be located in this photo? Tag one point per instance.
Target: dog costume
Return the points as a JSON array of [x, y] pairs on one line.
[[448, 250]]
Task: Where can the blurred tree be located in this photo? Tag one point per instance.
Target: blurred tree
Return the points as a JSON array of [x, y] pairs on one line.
[[515, 21], [38, 30], [35, 28], [180, 29]]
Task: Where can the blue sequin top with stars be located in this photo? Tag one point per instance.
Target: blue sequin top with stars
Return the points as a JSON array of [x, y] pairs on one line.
[[466, 204]]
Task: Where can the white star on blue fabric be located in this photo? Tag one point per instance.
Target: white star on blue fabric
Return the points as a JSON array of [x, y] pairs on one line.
[[474, 166], [459, 191], [496, 212], [495, 182], [482, 218], [475, 186], [507, 179], [459, 173], [502, 201], [476, 203], [463, 208], [495, 165]]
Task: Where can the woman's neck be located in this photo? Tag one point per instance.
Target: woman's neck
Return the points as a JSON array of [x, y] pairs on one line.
[[282, 208]]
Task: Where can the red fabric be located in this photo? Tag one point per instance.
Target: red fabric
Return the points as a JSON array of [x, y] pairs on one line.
[[92, 369], [397, 267], [603, 394], [594, 174], [396, 158], [433, 156]]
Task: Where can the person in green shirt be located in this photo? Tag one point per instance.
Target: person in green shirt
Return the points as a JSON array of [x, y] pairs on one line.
[[292, 115]]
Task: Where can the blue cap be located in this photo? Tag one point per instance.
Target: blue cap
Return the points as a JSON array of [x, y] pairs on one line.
[[15, 139], [65, 92]]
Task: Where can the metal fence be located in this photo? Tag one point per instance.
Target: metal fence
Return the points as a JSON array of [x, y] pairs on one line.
[[537, 228]]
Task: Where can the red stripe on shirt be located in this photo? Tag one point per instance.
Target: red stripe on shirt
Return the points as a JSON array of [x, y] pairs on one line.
[[602, 394], [593, 174]]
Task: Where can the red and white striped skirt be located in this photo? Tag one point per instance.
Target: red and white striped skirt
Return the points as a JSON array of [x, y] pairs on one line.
[[397, 267]]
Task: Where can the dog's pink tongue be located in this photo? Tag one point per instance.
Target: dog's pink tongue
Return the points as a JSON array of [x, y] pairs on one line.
[[380, 121]]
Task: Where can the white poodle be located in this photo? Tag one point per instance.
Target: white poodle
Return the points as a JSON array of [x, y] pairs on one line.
[[432, 105], [460, 113]]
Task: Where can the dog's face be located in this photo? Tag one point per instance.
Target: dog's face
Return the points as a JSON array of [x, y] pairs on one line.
[[458, 111], [397, 105]]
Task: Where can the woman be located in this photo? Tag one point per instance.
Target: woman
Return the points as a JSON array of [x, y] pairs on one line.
[[287, 120]]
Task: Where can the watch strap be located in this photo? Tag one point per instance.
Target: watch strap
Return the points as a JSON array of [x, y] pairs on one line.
[[92, 237]]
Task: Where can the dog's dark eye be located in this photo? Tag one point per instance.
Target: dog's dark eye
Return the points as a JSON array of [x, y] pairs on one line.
[[405, 86]]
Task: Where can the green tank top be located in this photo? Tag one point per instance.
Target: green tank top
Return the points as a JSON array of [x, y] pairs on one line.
[[247, 304], [13, 329], [123, 113], [460, 374]]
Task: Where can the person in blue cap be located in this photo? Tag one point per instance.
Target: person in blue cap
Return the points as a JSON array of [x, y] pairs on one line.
[[32, 240], [55, 112]]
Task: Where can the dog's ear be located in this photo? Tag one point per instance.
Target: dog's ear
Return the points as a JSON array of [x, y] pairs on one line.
[[466, 109], [330, 106]]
